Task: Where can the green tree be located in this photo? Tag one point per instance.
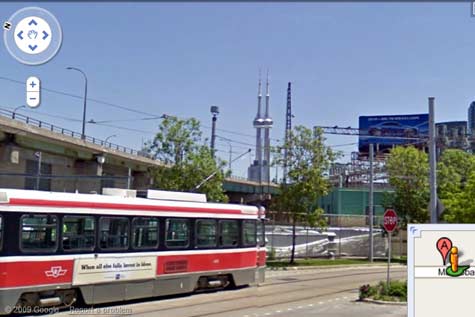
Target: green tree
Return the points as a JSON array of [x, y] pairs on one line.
[[454, 185], [459, 205], [453, 170], [187, 159], [307, 164], [408, 171]]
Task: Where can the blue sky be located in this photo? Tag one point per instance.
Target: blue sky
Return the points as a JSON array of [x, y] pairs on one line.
[[344, 60]]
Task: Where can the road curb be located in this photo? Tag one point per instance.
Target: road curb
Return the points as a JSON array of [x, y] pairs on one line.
[[381, 302]]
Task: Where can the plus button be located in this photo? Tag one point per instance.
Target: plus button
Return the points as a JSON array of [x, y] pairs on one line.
[[32, 84]]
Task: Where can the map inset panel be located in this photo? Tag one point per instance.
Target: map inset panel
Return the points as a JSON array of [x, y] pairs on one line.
[[441, 269]]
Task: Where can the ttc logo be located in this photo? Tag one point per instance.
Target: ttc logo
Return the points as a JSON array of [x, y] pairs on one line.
[[56, 271]]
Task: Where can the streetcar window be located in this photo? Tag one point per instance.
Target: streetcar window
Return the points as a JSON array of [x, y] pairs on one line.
[[145, 233], [261, 238], [78, 233], [205, 233], [249, 232], [114, 233], [39, 233], [228, 233], [177, 233]]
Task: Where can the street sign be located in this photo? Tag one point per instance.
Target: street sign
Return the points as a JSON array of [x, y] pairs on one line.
[[390, 220], [389, 223]]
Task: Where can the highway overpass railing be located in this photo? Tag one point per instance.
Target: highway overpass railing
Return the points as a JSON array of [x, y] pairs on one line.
[[54, 128]]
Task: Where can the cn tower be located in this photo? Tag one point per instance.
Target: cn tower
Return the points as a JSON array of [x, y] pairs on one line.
[[259, 171]]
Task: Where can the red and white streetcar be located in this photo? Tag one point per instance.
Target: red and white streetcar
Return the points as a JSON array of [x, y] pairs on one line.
[[58, 247]]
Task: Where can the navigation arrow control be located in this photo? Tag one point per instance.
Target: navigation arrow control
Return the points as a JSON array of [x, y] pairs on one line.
[[35, 37]]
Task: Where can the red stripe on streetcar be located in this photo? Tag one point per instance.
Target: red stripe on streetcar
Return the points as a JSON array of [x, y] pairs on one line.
[[99, 205], [29, 273], [261, 258], [205, 262]]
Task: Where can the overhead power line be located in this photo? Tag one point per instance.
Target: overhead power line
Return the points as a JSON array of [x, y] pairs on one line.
[[40, 113], [123, 128], [125, 108], [150, 116]]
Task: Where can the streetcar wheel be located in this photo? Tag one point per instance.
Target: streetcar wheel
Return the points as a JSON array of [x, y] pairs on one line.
[[69, 297]]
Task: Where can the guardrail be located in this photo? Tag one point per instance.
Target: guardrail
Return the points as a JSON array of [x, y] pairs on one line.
[[53, 128]]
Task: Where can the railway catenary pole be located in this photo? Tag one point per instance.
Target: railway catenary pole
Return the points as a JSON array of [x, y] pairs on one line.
[[288, 129]]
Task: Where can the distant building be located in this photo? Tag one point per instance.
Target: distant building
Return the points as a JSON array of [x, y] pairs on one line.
[[353, 201], [452, 134], [471, 118]]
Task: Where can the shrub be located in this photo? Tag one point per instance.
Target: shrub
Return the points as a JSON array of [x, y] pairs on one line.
[[397, 291], [367, 291]]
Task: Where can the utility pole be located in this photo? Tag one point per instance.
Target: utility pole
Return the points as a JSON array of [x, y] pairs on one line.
[[432, 163], [370, 201], [214, 111]]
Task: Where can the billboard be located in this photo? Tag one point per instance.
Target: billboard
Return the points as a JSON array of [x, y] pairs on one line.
[[386, 131]]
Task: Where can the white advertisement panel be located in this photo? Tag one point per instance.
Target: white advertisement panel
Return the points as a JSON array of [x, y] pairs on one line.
[[114, 269]]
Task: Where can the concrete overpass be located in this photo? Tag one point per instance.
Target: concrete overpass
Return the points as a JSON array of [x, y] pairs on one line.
[[69, 163]]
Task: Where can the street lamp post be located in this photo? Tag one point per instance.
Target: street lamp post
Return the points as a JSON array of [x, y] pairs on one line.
[[83, 133], [16, 109], [214, 111], [109, 137], [38, 171]]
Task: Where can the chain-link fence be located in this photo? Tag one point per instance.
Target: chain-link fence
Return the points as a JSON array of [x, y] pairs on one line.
[[345, 236]]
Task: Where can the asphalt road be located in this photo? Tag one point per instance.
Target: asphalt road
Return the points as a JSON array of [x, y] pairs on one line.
[[313, 292]]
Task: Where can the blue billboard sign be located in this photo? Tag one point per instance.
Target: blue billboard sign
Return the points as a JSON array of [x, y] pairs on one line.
[[386, 131]]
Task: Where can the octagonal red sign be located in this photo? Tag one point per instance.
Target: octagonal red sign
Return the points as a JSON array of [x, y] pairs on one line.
[[390, 220]]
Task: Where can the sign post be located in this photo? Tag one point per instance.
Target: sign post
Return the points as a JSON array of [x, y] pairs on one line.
[[389, 222]]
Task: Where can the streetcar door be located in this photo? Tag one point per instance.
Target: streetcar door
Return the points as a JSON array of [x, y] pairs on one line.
[[261, 251]]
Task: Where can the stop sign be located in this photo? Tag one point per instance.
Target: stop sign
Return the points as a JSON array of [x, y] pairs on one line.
[[390, 220]]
